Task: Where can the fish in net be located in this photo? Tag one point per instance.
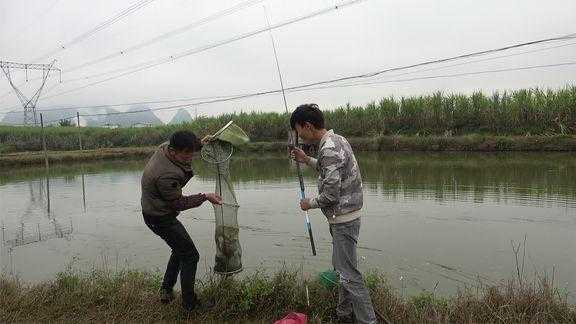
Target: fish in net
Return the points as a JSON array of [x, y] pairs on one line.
[[217, 153]]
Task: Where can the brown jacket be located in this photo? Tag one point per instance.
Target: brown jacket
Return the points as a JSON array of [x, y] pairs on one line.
[[162, 183]]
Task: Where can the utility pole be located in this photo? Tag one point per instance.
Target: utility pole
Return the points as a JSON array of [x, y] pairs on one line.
[[79, 130], [29, 104]]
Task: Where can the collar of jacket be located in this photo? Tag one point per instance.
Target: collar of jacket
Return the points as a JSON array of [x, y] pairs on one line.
[[325, 137], [186, 167]]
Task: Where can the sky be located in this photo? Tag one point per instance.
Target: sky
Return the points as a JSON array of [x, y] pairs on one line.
[[367, 36]]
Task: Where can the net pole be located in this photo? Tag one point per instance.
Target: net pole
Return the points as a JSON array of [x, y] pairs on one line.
[[298, 168]]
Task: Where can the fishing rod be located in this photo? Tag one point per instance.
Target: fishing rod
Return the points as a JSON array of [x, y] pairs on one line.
[[293, 139]]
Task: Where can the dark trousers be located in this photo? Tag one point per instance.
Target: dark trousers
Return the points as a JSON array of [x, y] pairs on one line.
[[184, 257]]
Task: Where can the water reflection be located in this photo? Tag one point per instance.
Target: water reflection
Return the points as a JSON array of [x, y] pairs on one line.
[[428, 217], [524, 178], [35, 224], [28, 233]]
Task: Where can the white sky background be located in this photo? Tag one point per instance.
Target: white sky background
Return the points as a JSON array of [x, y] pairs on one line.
[[369, 36]]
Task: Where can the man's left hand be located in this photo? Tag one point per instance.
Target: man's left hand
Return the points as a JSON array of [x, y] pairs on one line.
[[214, 198], [305, 204]]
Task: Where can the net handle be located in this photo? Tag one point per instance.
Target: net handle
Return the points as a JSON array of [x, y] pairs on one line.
[[222, 129]]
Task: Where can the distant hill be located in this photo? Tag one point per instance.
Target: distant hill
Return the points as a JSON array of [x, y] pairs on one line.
[[137, 115], [49, 117], [182, 116], [13, 118], [140, 116], [101, 120]]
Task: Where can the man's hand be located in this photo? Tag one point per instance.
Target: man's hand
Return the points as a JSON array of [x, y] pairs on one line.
[[298, 155], [214, 198], [305, 204]]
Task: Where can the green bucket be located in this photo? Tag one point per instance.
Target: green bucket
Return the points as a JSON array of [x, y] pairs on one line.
[[329, 278]]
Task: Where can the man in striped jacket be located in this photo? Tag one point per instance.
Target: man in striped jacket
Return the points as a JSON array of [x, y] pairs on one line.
[[340, 199]]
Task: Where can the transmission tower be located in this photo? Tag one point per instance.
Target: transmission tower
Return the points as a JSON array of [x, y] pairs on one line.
[[29, 104]]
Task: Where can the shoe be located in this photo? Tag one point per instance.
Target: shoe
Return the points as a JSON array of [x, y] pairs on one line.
[[346, 319], [199, 305], [166, 296]]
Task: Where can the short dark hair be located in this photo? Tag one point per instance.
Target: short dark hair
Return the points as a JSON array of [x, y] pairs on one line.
[[307, 113], [185, 141]]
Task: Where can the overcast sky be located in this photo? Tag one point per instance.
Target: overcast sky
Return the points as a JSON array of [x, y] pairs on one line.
[[365, 37]]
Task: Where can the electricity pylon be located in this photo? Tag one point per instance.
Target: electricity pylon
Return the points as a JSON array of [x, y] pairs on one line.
[[29, 104]]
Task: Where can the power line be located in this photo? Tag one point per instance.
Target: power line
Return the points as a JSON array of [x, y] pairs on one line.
[[180, 30], [444, 60], [38, 17], [76, 108], [133, 8], [307, 88], [359, 76], [200, 22], [476, 61], [441, 76], [302, 88], [171, 58], [468, 55], [109, 22]]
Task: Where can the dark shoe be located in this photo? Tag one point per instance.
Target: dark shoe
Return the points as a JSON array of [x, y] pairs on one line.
[[166, 296], [346, 319], [199, 305]]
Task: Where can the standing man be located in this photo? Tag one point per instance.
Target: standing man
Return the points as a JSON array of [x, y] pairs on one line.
[[340, 199], [166, 173]]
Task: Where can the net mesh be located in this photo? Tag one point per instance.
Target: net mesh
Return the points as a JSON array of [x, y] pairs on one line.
[[228, 258]]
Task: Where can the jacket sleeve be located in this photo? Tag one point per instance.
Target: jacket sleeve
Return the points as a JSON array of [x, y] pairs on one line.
[[330, 163], [313, 163], [171, 192]]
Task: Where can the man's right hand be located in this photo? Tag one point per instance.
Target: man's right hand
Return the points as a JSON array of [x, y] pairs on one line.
[[298, 155], [214, 198]]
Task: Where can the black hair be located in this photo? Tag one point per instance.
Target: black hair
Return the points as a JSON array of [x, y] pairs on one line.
[[185, 141], [307, 113]]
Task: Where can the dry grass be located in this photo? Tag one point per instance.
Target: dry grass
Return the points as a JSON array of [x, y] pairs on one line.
[[132, 296]]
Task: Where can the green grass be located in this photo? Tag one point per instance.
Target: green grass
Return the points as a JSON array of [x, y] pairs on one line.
[[132, 296], [519, 113], [482, 143]]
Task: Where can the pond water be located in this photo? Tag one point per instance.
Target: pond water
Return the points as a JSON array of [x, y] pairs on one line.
[[430, 221]]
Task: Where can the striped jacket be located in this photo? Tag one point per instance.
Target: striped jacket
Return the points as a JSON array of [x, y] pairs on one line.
[[339, 180]]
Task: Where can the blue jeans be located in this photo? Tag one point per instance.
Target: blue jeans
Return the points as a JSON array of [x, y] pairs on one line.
[[353, 296]]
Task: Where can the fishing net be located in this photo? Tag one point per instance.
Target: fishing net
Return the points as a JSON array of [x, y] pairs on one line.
[[217, 153]]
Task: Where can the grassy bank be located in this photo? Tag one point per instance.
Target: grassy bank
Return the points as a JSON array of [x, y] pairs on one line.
[[132, 296], [519, 113], [37, 157], [478, 143]]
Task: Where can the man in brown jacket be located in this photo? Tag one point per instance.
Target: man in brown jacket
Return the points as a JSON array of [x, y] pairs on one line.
[[165, 174]]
